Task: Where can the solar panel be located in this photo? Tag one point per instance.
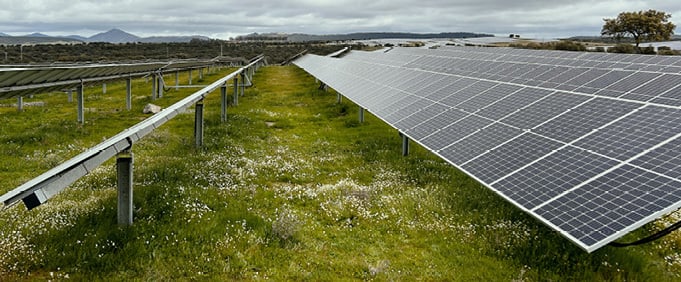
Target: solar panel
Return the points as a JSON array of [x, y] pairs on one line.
[[24, 80], [588, 143]]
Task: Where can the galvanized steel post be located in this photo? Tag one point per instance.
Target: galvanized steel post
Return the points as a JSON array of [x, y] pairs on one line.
[[198, 123], [70, 96], [243, 84], [405, 145], [103, 88], [128, 96], [20, 104], [339, 99], [177, 80], [153, 87], [190, 76], [81, 107], [124, 172], [361, 114], [160, 85], [236, 91], [223, 100]]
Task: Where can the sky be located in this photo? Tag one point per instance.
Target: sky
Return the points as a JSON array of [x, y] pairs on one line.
[[541, 19]]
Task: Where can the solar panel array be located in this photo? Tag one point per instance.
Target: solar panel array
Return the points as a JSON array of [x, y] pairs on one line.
[[24, 80], [588, 143]]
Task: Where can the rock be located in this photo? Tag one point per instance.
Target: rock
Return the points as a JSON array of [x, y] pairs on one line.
[[151, 109]]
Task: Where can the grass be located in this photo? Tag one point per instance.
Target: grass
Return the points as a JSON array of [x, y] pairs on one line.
[[291, 187]]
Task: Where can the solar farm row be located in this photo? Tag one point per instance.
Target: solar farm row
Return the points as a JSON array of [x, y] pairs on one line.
[[587, 143]]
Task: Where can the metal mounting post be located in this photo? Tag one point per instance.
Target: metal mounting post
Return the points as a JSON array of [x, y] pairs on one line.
[[236, 91], [177, 80], [223, 100], [200, 73], [361, 114], [70, 96], [81, 107], [128, 96], [153, 87], [20, 104], [339, 99], [103, 88], [405, 145], [160, 85], [124, 172], [190, 76], [198, 123], [243, 84]]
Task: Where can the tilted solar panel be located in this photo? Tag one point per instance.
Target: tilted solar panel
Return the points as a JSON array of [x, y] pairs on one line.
[[588, 143]]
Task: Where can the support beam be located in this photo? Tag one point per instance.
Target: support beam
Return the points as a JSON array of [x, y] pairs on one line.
[[200, 73], [223, 100], [124, 172], [20, 104], [190, 76], [70, 95], [81, 106], [361, 114], [339, 99], [405, 145], [236, 91], [177, 80], [103, 88], [198, 123], [128, 96]]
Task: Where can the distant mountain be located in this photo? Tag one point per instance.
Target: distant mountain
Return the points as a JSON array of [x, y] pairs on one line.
[[382, 35], [77, 37], [37, 34], [166, 39], [16, 40], [114, 36]]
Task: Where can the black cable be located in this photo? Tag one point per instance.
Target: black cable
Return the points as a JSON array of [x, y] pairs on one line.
[[650, 238]]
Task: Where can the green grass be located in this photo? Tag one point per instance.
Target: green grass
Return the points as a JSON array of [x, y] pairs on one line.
[[291, 187]]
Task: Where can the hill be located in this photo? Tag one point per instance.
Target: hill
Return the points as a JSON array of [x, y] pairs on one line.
[[299, 37], [32, 40], [113, 36]]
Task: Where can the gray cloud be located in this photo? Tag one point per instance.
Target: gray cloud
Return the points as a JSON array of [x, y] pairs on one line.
[[537, 18]]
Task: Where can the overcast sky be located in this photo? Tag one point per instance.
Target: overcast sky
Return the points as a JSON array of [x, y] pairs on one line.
[[227, 18]]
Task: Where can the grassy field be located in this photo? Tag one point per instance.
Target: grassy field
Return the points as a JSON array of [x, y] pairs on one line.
[[291, 187]]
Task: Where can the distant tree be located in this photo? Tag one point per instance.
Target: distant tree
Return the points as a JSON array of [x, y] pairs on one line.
[[648, 25]]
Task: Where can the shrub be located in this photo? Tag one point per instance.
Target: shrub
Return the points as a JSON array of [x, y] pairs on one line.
[[623, 48]]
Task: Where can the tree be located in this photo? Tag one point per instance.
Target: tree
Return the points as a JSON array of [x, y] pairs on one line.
[[648, 25]]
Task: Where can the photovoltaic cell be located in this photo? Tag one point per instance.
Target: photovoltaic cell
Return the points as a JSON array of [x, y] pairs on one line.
[[634, 133], [436, 123], [466, 93], [665, 159], [513, 155], [553, 175], [455, 131], [585, 118], [545, 109], [488, 97], [479, 142], [421, 116], [513, 102], [611, 203]]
